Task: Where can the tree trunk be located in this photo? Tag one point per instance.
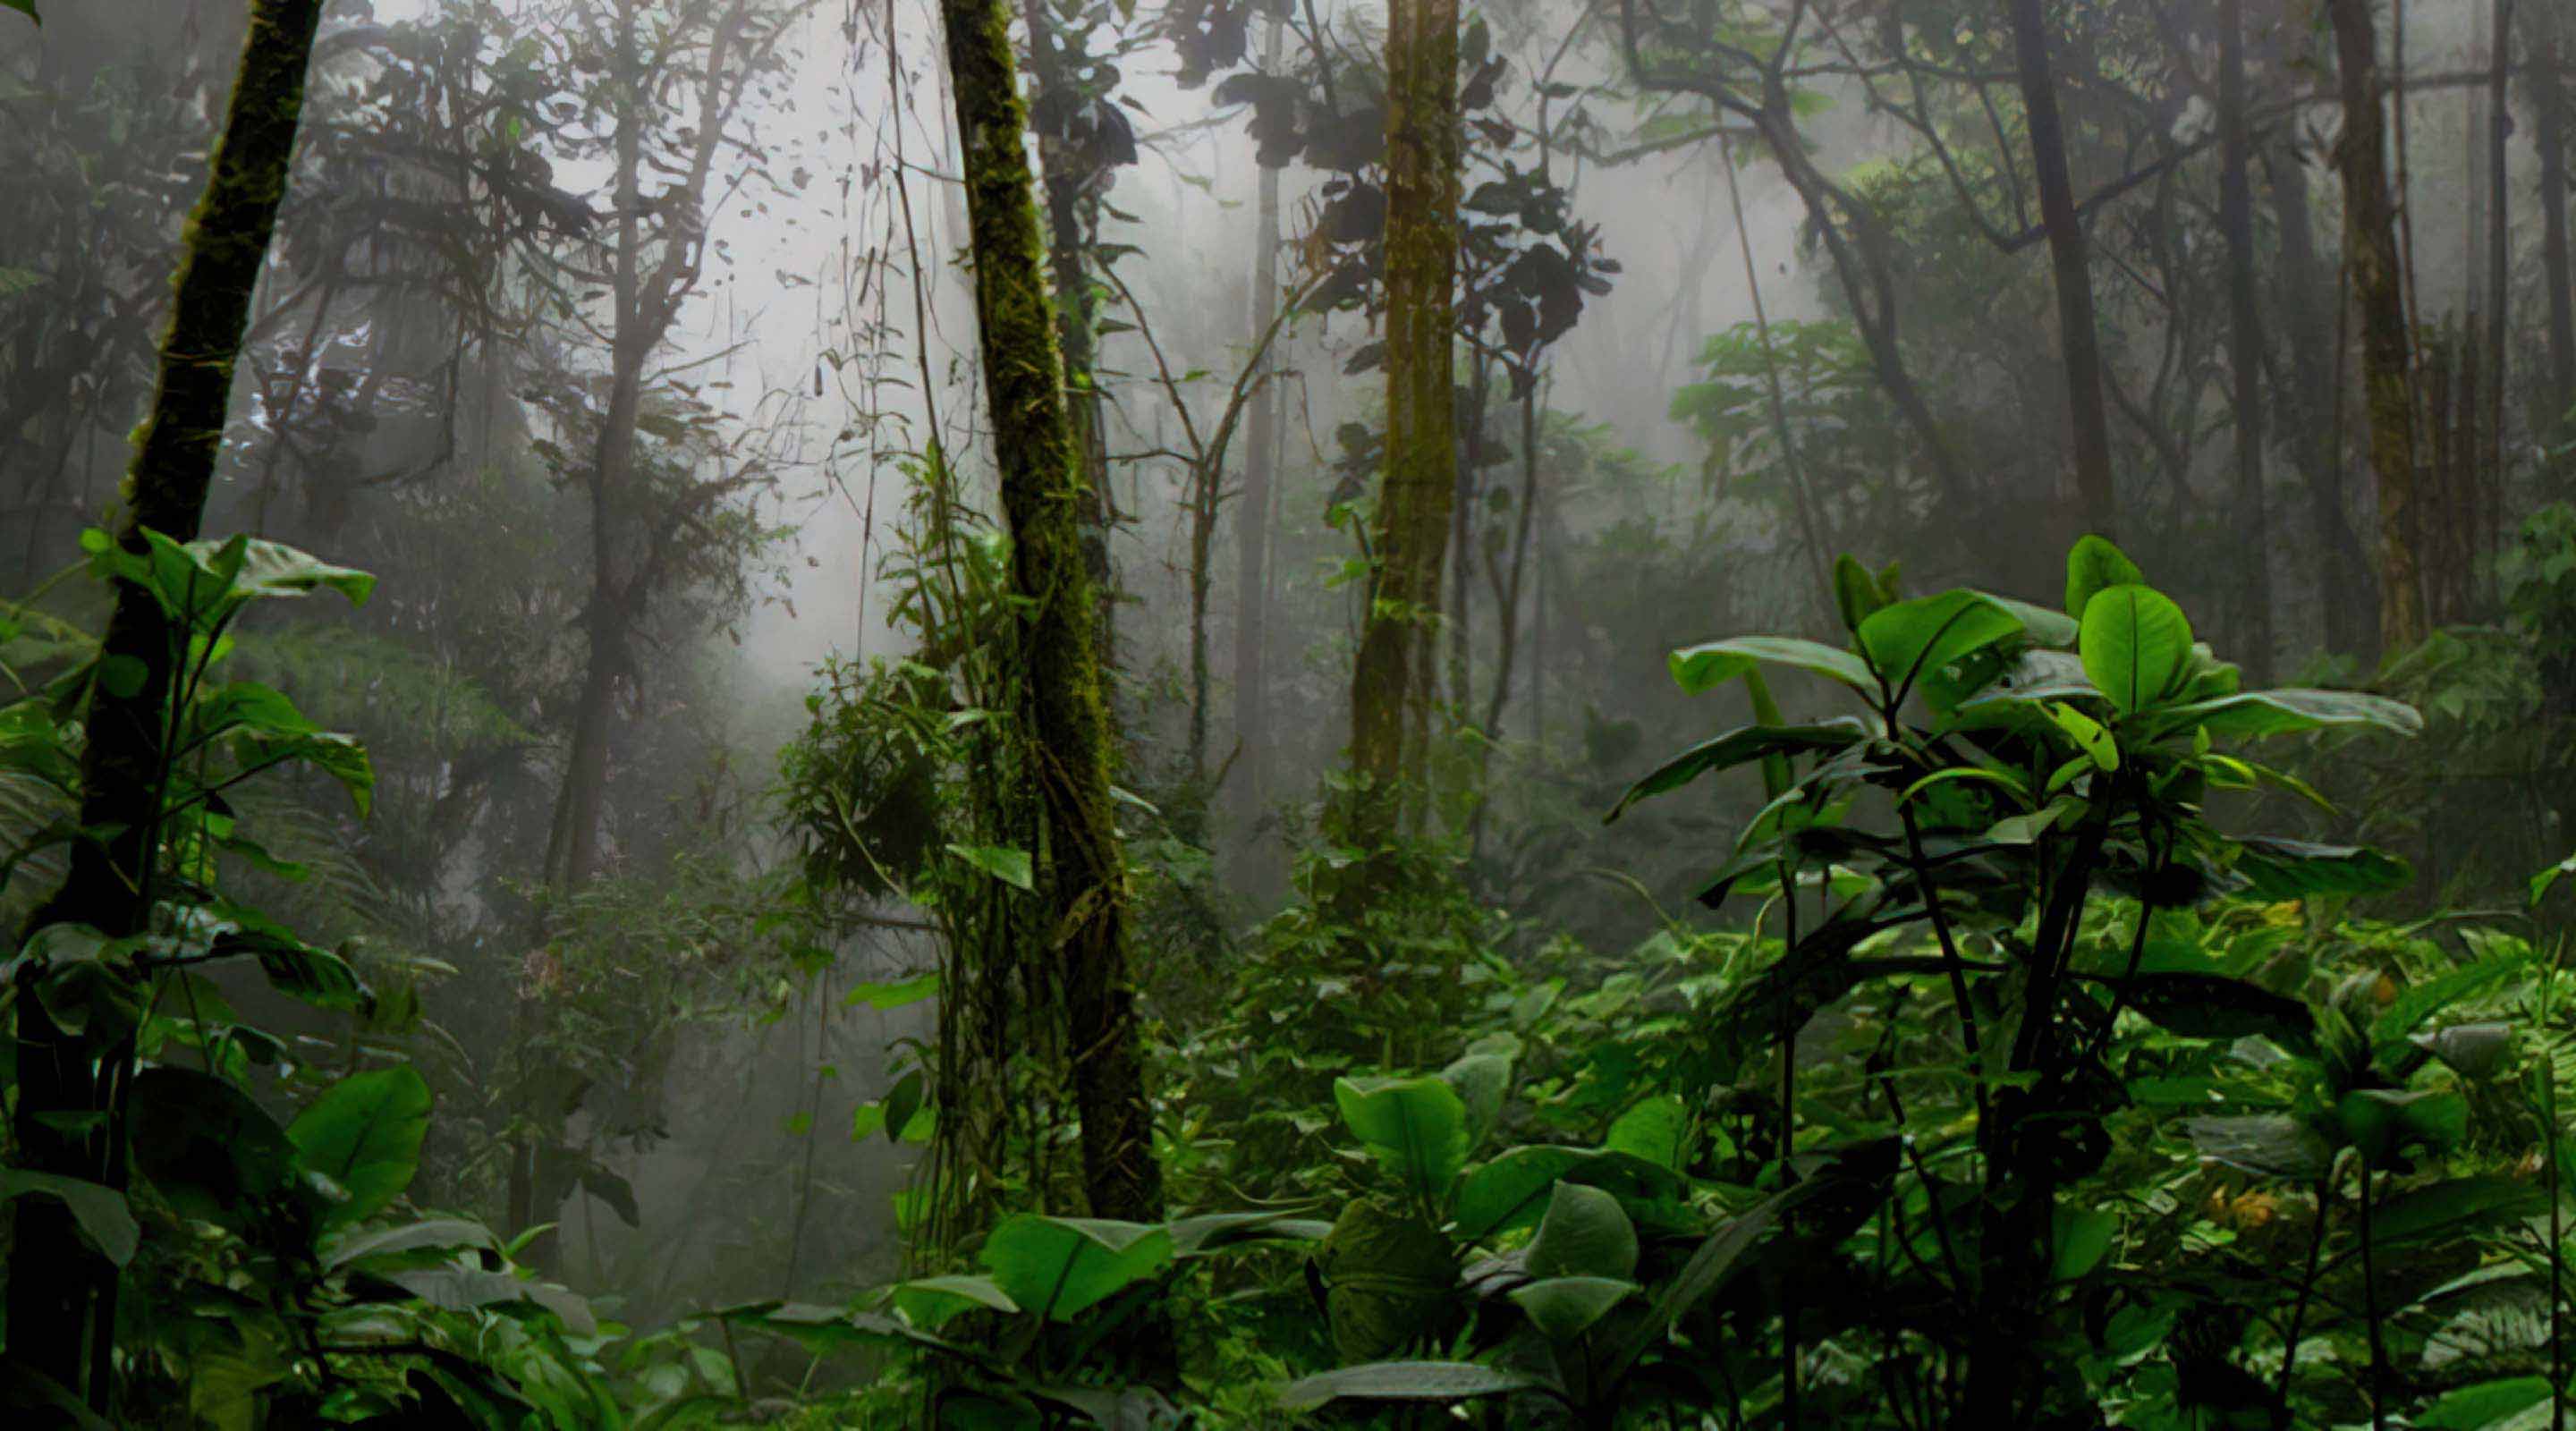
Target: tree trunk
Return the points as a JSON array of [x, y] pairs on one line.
[[57, 1290], [2547, 48], [2499, 293], [1064, 721], [1389, 706], [2244, 345], [2080, 343], [2370, 253], [1252, 520]]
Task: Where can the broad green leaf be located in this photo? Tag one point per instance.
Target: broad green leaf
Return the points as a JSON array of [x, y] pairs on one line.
[[2044, 627], [268, 569], [210, 1151], [1011, 866], [931, 1302], [1701, 669], [2456, 1208], [1907, 639], [2384, 1122], [100, 1210], [2135, 645], [2484, 1406], [429, 1234], [1061, 1266], [2296, 869], [1709, 1268], [1738, 747], [2255, 714], [1563, 1308], [1215, 1231], [2083, 1239], [1416, 1128], [893, 995], [1400, 1381], [1657, 1130], [364, 1133], [2216, 1006], [1481, 1080], [2094, 565], [1584, 1234], [2270, 1144], [1513, 1190], [1389, 1277], [2422, 1000], [2089, 735]]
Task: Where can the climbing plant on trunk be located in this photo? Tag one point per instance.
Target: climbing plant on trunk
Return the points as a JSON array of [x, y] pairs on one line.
[[1078, 873]]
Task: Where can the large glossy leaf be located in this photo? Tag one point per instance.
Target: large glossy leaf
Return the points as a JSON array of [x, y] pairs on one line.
[[2254, 714], [1400, 1381], [364, 1134], [1742, 746], [1657, 1130], [2297, 869], [1388, 1279], [1415, 1127], [2135, 644], [931, 1302], [1215, 1231], [2093, 564], [100, 1210], [210, 1151], [1905, 640], [1563, 1308], [1700, 669], [1058, 1267], [2485, 1406], [2216, 1006], [1583, 1234], [430, 1234], [2270, 1144], [2455, 1208]]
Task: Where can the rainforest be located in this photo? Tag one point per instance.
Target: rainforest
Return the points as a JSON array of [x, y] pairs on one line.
[[1000, 715]]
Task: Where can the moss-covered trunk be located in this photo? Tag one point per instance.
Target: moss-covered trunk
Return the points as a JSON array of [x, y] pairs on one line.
[[2370, 255], [1390, 681], [1080, 871], [59, 1293]]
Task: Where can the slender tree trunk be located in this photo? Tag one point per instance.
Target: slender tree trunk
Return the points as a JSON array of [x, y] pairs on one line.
[[1064, 720], [2547, 49], [2499, 294], [1252, 518], [2310, 306], [57, 1290], [2244, 344], [2370, 252], [2077, 337], [1388, 684]]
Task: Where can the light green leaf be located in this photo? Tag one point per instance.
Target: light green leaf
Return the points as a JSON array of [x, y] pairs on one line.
[[1011, 866], [1909, 638], [1657, 1130], [2094, 565], [1416, 1127], [364, 1133], [2135, 644], [1062, 1266], [1584, 1234], [1700, 669]]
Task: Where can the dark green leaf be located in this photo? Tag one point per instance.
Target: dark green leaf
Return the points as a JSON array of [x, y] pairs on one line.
[[364, 1133], [100, 1210], [1700, 669], [1400, 1381], [2215, 1006], [1738, 747]]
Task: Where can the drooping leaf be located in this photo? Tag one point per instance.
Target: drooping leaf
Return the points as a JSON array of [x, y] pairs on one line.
[[1512, 1191], [1700, 669], [364, 1133], [1563, 1308], [2135, 645], [1716, 1261], [1400, 1381], [429, 1234], [1011, 866], [2255, 714], [2455, 1208], [2083, 1238], [893, 995], [1737, 747], [210, 1151], [931, 1302], [1415, 1127], [1059, 1267], [1583, 1234], [2383, 1122], [2485, 1406], [2297, 869], [100, 1210]]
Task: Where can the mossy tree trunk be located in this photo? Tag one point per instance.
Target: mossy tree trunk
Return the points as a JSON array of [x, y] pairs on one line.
[[2378, 295], [1390, 682], [60, 1293], [1062, 714]]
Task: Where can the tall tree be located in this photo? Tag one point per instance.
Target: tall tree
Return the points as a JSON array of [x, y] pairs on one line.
[[2244, 338], [2079, 341], [59, 1293], [1080, 871], [2547, 47], [2378, 296], [1252, 509], [1391, 681]]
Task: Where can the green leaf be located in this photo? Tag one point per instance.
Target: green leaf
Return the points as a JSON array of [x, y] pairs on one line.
[[269, 569], [2216, 1006], [893, 995], [2255, 714], [1011, 866], [122, 676], [429, 1234], [364, 1133], [2456, 1208], [1388, 1276], [1400, 1381], [1737, 747], [2383, 1122], [28, 9], [2473, 1051], [1857, 593], [1584, 1234], [931, 1302], [2297, 869], [1710, 1267], [1910, 638], [1563, 1308], [2420, 1001], [2135, 645], [100, 1210], [1416, 1128], [1513, 1190], [2269, 1144], [2094, 565], [1701, 669], [1215, 1231], [1062, 1266], [1481, 1080], [899, 1105], [2484, 1405], [210, 1151], [1657, 1130], [2083, 1239]]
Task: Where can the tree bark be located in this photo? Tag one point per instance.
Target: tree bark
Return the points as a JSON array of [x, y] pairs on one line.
[[2079, 342], [2370, 253], [1080, 871], [1252, 518], [1389, 682], [57, 1289], [2244, 344]]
